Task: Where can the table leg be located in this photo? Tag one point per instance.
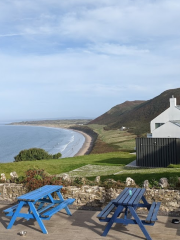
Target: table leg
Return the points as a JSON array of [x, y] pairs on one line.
[[146, 203], [40, 205], [13, 219], [112, 220], [36, 216], [143, 229], [62, 199]]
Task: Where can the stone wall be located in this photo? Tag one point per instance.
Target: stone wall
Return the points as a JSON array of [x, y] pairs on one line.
[[88, 197]]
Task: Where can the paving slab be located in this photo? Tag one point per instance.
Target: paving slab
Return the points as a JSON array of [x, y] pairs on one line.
[[83, 225]]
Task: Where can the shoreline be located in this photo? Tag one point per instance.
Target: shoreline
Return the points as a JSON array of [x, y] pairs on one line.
[[87, 142], [86, 145]]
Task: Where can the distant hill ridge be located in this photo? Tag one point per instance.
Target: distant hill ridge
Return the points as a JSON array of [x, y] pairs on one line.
[[136, 115]]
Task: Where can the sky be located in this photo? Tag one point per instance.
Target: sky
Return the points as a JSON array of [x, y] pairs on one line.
[[79, 58]]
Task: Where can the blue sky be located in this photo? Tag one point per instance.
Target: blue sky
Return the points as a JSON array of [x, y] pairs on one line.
[[79, 58]]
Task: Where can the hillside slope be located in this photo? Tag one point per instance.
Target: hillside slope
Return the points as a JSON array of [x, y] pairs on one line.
[[137, 115], [116, 112]]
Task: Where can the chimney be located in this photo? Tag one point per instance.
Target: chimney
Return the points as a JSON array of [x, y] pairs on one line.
[[172, 101]]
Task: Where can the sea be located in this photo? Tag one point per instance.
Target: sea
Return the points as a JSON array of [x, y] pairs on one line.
[[15, 138]]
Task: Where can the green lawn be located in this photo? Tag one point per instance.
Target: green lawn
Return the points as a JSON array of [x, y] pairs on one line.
[[57, 166], [139, 175], [110, 165], [122, 140]]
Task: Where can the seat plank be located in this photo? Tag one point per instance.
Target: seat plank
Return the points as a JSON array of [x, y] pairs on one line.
[[105, 212], [11, 209], [152, 216], [57, 208], [45, 208]]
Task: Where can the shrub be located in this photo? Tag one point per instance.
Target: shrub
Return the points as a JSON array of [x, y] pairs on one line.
[[174, 182], [37, 178], [35, 154], [153, 183]]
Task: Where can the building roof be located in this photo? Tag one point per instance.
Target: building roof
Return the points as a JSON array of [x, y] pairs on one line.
[[176, 122]]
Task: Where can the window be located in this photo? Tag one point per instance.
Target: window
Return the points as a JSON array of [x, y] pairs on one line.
[[158, 125]]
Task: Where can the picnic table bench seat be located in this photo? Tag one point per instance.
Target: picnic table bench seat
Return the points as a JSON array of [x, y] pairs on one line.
[[152, 215], [106, 211], [56, 209], [9, 211]]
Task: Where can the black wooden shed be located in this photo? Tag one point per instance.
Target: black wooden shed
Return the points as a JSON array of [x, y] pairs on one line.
[[157, 152]]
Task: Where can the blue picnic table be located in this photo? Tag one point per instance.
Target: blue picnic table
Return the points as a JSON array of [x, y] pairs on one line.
[[41, 205], [124, 207]]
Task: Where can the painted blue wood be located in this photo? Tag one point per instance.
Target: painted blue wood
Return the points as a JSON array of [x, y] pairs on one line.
[[143, 229], [39, 193], [38, 219], [112, 220], [42, 209], [129, 202], [123, 197], [136, 192], [139, 196], [148, 219], [42, 195], [56, 209], [11, 209], [108, 208], [13, 219], [105, 212], [152, 216]]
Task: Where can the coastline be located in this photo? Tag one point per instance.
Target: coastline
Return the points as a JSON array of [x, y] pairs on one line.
[[87, 142], [86, 145]]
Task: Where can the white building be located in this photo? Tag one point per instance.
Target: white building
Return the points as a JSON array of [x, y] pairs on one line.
[[167, 124]]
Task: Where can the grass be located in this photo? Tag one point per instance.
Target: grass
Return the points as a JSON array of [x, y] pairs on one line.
[[174, 166], [120, 140], [57, 166], [107, 165], [139, 175]]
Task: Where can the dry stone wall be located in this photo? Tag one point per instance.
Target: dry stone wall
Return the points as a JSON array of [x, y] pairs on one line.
[[88, 197]]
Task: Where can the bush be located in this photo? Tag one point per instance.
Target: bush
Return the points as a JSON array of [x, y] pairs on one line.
[[35, 154], [37, 178]]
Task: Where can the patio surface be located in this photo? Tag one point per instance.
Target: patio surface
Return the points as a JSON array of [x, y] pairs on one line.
[[83, 225]]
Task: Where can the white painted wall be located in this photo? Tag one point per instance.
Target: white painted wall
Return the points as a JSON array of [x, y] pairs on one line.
[[170, 114], [167, 130], [162, 118]]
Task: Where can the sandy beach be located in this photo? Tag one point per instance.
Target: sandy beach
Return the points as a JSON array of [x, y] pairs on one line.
[[86, 143]]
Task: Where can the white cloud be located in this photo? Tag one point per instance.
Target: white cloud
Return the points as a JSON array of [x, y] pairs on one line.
[[115, 49], [100, 53]]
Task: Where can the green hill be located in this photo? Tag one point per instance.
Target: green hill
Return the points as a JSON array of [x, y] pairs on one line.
[[136, 115]]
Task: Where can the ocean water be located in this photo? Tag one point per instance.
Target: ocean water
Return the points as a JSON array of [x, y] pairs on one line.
[[13, 139]]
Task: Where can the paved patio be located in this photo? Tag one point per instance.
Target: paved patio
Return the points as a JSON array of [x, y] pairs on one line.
[[83, 225]]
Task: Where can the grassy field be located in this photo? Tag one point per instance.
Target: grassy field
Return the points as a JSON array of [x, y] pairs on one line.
[[109, 165], [57, 166], [121, 140]]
